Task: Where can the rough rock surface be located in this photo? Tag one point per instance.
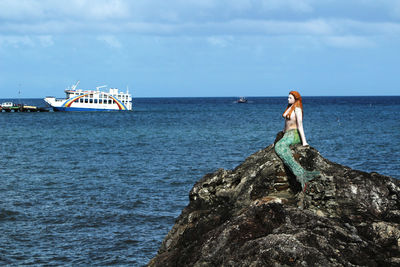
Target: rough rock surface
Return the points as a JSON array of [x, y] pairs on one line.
[[257, 215]]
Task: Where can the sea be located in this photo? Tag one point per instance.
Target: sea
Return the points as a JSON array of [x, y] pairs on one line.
[[104, 188]]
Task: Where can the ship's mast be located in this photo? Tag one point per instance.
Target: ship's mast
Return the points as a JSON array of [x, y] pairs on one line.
[[75, 85]]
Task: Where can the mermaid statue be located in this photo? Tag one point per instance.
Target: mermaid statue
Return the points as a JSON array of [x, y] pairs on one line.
[[294, 134]]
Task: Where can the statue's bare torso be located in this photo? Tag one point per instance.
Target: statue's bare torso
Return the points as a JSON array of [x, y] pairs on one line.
[[290, 123]]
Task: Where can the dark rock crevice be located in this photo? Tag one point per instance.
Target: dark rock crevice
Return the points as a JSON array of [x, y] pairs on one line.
[[257, 215]]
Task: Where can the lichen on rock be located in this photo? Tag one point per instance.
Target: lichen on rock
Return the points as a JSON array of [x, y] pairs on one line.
[[258, 215]]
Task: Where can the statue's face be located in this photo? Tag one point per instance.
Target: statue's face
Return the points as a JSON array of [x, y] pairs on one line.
[[291, 99]]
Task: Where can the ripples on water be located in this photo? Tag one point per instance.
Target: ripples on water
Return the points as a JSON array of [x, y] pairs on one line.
[[105, 188]]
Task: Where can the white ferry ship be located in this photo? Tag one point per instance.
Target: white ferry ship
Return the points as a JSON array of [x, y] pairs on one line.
[[90, 100]]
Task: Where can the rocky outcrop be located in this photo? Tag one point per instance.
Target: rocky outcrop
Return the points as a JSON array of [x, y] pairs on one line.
[[257, 215]]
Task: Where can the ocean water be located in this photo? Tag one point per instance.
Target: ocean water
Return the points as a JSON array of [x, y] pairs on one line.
[[104, 188]]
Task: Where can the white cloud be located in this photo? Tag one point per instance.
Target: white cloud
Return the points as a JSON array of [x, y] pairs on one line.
[[348, 41], [302, 6], [20, 10], [333, 20], [110, 40], [25, 40], [16, 41], [46, 40], [276, 27], [39, 10], [220, 41]]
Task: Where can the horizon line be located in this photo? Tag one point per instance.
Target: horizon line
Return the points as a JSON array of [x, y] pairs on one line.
[[222, 96]]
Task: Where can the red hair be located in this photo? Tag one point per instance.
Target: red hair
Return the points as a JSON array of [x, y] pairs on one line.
[[297, 103]]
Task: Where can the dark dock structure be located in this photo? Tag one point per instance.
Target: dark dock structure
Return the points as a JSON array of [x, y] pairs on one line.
[[22, 108]]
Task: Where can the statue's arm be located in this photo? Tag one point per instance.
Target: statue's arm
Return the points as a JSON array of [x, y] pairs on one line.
[[299, 121]]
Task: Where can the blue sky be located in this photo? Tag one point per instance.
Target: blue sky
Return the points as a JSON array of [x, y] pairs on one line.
[[191, 48]]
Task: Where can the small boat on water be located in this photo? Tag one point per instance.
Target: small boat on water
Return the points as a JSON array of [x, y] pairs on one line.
[[9, 106], [242, 100], [91, 100]]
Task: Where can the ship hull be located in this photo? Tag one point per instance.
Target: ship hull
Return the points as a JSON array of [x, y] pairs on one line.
[[65, 109]]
